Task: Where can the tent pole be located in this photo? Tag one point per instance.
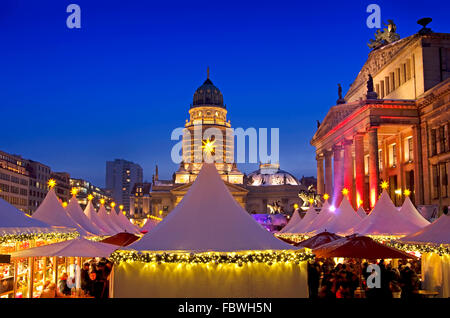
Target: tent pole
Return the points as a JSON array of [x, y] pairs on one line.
[[30, 276]]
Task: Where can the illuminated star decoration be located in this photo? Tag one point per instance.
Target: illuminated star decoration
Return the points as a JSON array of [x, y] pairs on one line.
[[311, 201], [102, 201], [345, 191], [121, 207], [208, 146], [113, 204], [384, 185], [407, 192], [64, 204], [74, 192], [90, 197], [326, 196], [51, 183]]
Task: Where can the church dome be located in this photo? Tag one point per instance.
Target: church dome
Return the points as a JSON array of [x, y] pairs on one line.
[[208, 95], [270, 175]]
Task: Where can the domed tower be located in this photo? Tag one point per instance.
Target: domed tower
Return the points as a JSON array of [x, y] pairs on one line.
[[207, 111]]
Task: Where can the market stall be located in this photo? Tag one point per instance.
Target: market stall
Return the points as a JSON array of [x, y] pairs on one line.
[[209, 246]]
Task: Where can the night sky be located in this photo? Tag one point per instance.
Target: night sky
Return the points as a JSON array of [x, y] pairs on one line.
[[117, 87]]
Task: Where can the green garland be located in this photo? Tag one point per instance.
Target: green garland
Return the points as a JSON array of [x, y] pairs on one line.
[[213, 258], [421, 248], [11, 238]]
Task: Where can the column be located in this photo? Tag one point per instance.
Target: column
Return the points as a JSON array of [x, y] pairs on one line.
[[338, 175], [374, 179], [328, 173], [348, 169], [320, 177], [359, 167], [418, 167]]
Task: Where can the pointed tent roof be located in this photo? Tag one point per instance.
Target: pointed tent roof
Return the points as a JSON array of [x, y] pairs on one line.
[[208, 218], [409, 211], [309, 217], [92, 215], [14, 221], [103, 215], [385, 220], [324, 216], [122, 221], [362, 214], [437, 232], [79, 247], [52, 212], [149, 225], [344, 218], [77, 214], [295, 219], [319, 239]]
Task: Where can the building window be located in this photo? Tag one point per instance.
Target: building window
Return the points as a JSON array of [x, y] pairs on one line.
[[409, 149], [380, 159], [382, 89], [433, 144], [366, 165], [443, 139], [435, 175], [392, 81], [393, 155], [444, 179], [387, 86]]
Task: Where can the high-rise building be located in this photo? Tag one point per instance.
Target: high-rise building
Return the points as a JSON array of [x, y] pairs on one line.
[[14, 181], [39, 175], [62, 187], [121, 176]]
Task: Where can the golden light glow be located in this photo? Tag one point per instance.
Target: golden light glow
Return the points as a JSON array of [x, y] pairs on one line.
[[113, 204], [90, 197], [384, 185], [74, 191], [208, 146], [398, 192], [160, 212], [311, 201], [121, 207], [345, 191], [326, 196], [407, 192], [102, 201], [51, 183], [296, 206], [64, 204]]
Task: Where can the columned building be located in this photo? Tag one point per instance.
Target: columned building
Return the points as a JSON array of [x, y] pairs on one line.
[[396, 132]]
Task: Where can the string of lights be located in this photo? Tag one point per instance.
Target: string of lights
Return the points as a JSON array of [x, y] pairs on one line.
[[11, 238], [268, 258]]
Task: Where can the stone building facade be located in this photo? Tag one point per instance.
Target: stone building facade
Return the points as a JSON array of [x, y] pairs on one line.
[[401, 135]]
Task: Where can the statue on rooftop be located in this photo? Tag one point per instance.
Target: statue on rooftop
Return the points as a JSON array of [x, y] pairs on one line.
[[385, 36]]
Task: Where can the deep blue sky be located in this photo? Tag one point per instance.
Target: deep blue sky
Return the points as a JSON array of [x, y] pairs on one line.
[[118, 86]]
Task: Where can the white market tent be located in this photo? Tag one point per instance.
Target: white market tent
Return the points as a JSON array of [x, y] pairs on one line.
[[324, 216], [295, 219], [14, 222], [123, 222], [51, 211], [77, 214], [385, 219], [344, 218], [103, 215], [410, 212], [209, 219], [362, 214], [437, 232], [149, 225], [435, 267], [79, 247], [92, 215], [309, 217]]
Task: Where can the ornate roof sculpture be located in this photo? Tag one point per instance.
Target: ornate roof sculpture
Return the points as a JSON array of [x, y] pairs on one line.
[[385, 36], [269, 175]]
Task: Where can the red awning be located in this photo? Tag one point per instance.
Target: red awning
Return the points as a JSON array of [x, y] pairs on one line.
[[319, 239], [121, 239], [359, 247]]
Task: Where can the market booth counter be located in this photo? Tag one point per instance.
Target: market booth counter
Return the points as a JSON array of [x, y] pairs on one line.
[[35, 266]]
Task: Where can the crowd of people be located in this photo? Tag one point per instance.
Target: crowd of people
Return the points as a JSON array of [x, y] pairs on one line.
[[94, 282], [353, 279]]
